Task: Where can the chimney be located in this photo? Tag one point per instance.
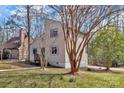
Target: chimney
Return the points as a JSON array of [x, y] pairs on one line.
[[22, 35]]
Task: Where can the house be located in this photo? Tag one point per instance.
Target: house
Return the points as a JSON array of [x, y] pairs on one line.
[[12, 46], [17, 46], [51, 43]]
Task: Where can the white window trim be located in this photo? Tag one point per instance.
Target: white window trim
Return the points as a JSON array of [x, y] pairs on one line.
[[57, 50]]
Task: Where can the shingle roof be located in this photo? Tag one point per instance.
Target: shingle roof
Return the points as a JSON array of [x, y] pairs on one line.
[[12, 43]]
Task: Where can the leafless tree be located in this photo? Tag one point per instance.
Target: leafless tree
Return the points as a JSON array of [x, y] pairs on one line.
[[28, 17], [2, 38], [28, 32], [85, 21]]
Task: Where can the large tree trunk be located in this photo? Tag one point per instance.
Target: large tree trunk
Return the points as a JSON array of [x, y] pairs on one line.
[[28, 33], [107, 68], [74, 70], [74, 66], [108, 65]]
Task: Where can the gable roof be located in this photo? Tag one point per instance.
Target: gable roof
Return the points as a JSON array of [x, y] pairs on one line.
[[12, 43]]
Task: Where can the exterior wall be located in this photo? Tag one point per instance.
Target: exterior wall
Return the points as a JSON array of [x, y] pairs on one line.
[[84, 60], [37, 44], [59, 58]]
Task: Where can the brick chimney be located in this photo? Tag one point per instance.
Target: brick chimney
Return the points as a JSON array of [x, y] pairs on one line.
[[22, 35], [23, 49]]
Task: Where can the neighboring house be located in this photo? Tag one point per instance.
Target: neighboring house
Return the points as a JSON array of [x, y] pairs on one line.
[[17, 46], [51, 42], [12, 46]]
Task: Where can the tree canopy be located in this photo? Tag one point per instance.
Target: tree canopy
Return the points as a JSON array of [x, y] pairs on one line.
[[107, 46]]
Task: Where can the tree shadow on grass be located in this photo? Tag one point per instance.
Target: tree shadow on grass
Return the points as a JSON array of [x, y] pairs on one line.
[[31, 80], [23, 65]]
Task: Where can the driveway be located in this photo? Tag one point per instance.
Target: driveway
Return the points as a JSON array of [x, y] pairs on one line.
[[103, 68]]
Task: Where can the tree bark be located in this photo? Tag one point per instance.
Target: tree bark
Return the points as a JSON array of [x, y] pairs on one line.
[[28, 33], [107, 68], [1, 54], [74, 67]]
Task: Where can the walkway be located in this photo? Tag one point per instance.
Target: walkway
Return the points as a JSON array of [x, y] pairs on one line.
[[90, 67], [6, 70]]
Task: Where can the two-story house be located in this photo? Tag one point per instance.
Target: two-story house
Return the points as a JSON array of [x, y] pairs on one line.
[[51, 42]]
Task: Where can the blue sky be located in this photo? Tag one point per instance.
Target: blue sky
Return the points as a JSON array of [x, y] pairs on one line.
[[6, 11]]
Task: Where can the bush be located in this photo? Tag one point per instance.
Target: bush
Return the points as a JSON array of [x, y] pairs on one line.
[[72, 79], [6, 54], [107, 47]]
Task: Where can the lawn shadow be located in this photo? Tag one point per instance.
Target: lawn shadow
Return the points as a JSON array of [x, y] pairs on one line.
[[23, 64]]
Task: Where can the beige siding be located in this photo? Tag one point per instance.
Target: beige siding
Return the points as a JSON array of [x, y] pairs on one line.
[[59, 58]]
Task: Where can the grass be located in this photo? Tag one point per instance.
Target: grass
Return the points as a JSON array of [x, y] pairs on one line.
[[7, 66], [13, 65], [55, 77]]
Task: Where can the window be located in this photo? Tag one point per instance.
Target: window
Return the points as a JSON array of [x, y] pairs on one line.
[[34, 51], [54, 50], [53, 32]]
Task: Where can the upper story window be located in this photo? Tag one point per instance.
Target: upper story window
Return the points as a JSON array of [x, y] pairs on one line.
[[54, 32], [54, 50]]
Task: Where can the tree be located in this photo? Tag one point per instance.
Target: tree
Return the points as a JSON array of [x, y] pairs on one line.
[[28, 18], [28, 33], [10, 27], [38, 10], [107, 46], [84, 20], [1, 42], [2, 38]]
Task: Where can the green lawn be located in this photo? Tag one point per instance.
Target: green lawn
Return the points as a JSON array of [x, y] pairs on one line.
[[13, 65], [54, 77]]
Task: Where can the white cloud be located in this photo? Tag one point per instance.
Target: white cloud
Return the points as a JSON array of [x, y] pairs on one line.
[[12, 12]]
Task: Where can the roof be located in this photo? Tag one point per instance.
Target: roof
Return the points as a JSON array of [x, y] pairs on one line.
[[13, 39], [12, 43]]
